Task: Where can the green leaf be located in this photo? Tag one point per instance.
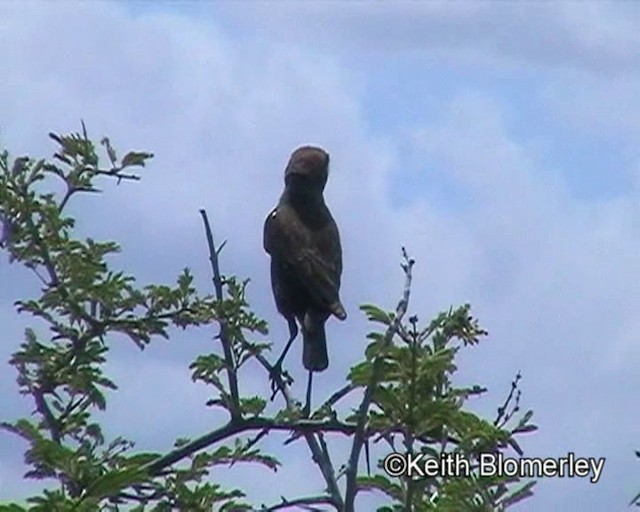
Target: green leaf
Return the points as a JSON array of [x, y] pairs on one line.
[[519, 494], [12, 507], [135, 158], [253, 405], [375, 314], [112, 483]]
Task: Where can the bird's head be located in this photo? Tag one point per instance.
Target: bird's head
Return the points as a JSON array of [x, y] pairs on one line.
[[308, 169]]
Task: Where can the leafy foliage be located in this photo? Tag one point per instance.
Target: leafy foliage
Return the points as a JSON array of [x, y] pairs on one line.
[[408, 399], [417, 410], [83, 302]]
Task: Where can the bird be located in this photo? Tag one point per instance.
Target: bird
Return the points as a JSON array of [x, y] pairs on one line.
[[303, 241]]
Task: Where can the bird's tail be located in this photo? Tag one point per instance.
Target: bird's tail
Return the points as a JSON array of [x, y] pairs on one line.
[[314, 348]]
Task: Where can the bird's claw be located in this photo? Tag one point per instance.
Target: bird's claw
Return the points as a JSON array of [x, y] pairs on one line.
[[275, 374], [278, 379]]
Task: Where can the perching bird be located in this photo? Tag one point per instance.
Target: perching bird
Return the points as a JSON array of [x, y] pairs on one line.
[[306, 257]]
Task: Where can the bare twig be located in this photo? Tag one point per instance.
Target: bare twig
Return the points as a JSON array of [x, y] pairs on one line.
[[223, 335], [257, 438], [116, 172], [503, 415], [338, 395], [363, 411]]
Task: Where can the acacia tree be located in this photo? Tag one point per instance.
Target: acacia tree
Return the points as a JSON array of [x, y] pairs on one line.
[[407, 401]]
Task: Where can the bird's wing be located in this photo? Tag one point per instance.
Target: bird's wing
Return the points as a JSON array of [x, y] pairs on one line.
[[334, 251], [316, 263]]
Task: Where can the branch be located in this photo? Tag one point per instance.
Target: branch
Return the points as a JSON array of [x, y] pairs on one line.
[[41, 404], [240, 425], [232, 377], [409, 435], [42, 249], [43, 408], [363, 410], [305, 503], [308, 427], [70, 191], [318, 456], [326, 469], [117, 173], [337, 396], [322, 461], [503, 416]]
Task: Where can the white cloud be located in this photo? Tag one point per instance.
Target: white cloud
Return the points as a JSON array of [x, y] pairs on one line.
[[598, 107], [549, 276], [595, 37]]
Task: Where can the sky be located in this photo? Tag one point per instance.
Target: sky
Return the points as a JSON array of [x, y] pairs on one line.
[[497, 142]]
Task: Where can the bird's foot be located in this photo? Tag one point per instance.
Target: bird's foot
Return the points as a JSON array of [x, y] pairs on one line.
[[278, 378]]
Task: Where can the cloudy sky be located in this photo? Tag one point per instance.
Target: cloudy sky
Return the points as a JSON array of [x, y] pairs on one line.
[[498, 143]]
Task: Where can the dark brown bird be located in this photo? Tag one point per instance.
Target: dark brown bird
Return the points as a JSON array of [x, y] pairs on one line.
[[306, 257]]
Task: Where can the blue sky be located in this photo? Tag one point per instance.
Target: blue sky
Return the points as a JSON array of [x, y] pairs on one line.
[[497, 142]]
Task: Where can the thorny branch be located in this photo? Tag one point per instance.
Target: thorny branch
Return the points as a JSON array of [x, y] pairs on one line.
[[223, 335], [260, 423], [363, 410]]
